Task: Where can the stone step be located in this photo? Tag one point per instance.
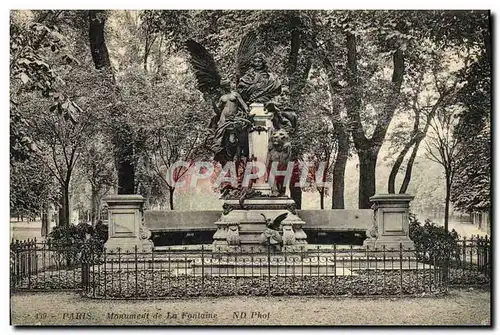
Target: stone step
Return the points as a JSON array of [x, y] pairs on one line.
[[273, 271]]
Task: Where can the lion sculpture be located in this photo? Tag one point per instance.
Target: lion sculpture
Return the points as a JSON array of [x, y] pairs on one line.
[[280, 152]]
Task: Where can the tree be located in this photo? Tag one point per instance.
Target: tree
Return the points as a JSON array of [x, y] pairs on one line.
[[441, 147], [164, 30], [99, 172], [169, 119], [59, 144], [472, 189], [369, 147], [355, 47], [322, 134], [32, 190], [432, 82], [472, 186], [38, 51]]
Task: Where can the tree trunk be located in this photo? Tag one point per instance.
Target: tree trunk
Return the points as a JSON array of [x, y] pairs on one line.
[[125, 167], [409, 168], [391, 188], [339, 169], [171, 191], [93, 205], [446, 219], [60, 210], [294, 45], [297, 79], [98, 48], [338, 183], [99, 210], [322, 198], [66, 204], [447, 201], [296, 191], [45, 220], [367, 179], [124, 147]]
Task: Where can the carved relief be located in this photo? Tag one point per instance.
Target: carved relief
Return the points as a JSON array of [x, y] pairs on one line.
[[220, 233], [233, 235], [288, 235], [144, 233], [373, 231], [227, 208]]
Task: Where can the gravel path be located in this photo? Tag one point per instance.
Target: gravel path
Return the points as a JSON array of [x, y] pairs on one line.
[[457, 308]]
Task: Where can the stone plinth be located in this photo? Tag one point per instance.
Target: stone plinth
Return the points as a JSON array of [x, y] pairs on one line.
[[126, 228], [390, 222], [258, 142], [240, 229]]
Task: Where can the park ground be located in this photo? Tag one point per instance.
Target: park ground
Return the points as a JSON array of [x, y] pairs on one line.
[[459, 307]]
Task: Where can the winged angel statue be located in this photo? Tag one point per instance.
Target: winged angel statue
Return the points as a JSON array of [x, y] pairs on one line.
[[253, 84]]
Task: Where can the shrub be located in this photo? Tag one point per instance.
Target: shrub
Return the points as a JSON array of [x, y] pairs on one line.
[[432, 243], [73, 242]]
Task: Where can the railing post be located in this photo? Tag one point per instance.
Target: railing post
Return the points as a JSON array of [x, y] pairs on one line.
[[35, 261], [104, 254], [29, 264], [401, 268], [202, 270], [367, 269], [85, 274], [153, 272], [310, 270], [335, 266], [488, 264], [136, 271], [269, 267]]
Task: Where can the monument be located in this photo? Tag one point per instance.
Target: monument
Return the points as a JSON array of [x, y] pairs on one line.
[[251, 131], [127, 231], [390, 229]]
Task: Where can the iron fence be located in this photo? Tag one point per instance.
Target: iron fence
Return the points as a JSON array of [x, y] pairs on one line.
[[44, 266], [188, 272]]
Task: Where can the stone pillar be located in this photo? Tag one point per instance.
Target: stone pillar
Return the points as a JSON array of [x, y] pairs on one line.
[[390, 222], [126, 228], [258, 142]]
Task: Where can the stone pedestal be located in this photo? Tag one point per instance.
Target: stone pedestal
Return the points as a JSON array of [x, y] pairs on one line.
[[240, 229], [126, 228], [390, 222], [258, 141]]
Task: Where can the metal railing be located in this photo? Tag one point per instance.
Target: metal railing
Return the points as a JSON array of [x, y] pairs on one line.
[[309, 270], [44, 266]]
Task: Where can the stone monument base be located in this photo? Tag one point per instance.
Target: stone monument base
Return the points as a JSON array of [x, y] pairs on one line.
[[390, 243], [390, 228], [126, 230], [239, 229]]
